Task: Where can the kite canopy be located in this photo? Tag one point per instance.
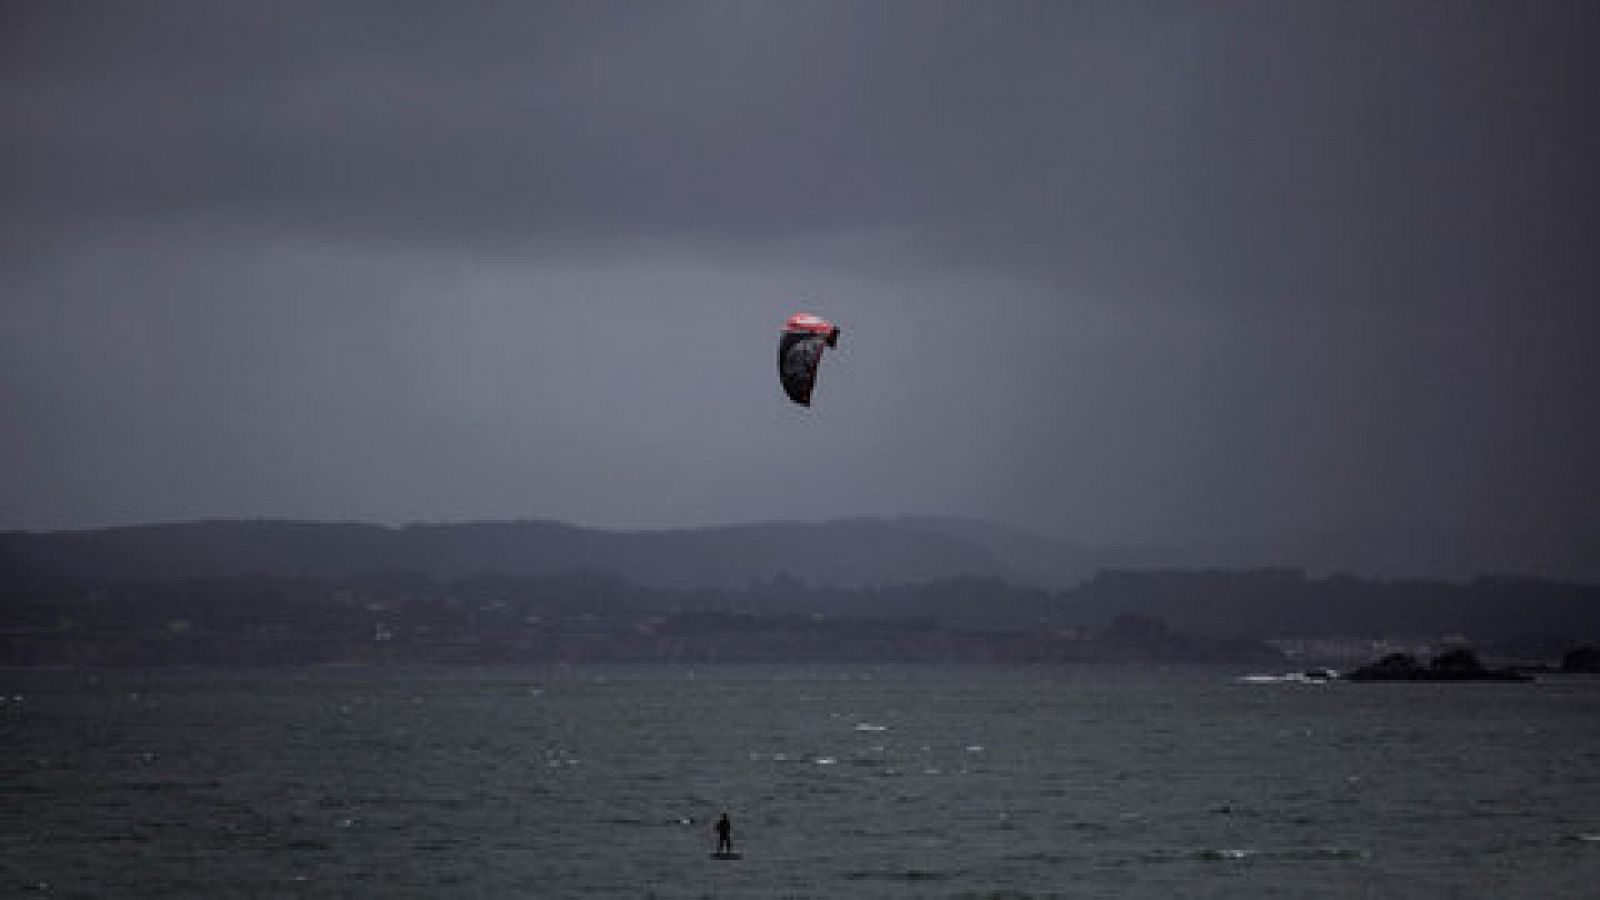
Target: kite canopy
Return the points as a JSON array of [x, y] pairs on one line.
[[800, 346]]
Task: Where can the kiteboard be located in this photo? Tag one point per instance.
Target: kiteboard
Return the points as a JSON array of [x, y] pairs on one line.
[[728, 855]]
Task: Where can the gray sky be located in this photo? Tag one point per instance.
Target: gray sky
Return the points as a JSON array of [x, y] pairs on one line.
[[1113, 271]]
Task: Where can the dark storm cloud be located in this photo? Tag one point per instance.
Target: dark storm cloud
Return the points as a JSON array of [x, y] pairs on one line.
[[1147, 141], [1198, 269]]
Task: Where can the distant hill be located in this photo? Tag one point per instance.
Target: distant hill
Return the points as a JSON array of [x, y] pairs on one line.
[[845, 553], [1404, 553], [859, 552], [949, 574]]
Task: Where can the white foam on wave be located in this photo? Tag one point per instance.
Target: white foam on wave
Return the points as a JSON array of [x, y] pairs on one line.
[[868, 726], [1321, 677]]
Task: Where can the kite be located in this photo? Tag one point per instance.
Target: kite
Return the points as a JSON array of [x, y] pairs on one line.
[[800, 348]]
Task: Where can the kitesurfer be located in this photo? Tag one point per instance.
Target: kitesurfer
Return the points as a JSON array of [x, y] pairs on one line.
[[724, 835]]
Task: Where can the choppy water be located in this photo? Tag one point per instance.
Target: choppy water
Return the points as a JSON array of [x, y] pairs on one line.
[[881, 782]]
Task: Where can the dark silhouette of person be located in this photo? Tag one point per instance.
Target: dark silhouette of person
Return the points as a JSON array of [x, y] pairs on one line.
[[724, 835]]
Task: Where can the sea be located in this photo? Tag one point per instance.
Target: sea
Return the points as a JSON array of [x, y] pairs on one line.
[[840, 782]]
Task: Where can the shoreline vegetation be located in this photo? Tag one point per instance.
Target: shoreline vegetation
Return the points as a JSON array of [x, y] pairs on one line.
[[411, 619], [217, 625]]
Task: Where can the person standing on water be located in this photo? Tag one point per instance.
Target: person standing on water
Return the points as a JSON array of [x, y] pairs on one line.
[[724, 835]]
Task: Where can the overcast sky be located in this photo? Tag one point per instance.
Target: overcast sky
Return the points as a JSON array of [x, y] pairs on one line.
[[1120, 271]]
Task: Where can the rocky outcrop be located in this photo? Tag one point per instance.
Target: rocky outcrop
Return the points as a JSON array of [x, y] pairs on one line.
[[1458, 664], [1583, 660]]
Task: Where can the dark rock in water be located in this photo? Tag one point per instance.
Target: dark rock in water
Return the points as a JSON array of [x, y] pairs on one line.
[[1394, 667], [1584, 659], [1457, 664]]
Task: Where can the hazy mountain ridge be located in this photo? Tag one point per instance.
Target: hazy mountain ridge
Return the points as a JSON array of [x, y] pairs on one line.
[[855, 552], [919, 588]]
